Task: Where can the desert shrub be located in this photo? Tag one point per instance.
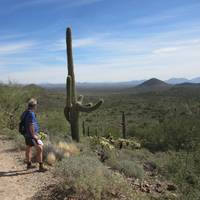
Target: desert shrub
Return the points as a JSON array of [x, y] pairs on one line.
[[174, 133], [50, 148], [90, 179], [55, 123], [128, 167], [135, 155], [182, 169], [127, 143], [51, 158], [59, 151], [68, 148], [16, 136]]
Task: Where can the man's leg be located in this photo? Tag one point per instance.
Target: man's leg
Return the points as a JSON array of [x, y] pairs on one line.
[[39, 149], [28, 153], [28, 157], [29, 145], [40, 158]]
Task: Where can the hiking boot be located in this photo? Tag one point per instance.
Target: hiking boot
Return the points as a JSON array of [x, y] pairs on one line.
[[42, 168], [30, 166]]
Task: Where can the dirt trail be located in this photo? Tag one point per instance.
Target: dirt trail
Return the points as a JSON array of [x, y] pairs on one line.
[[17, 183]]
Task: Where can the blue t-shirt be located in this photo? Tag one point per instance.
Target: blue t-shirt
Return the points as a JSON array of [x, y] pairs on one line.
[[31, 119]]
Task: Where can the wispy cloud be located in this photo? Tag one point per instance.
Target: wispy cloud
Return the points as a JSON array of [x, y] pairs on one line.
[[54, 74], [9, 36], [167, 15], [166, 50], [58, 3], [158, 61], [84, 42], [60, 45], [16, 47]]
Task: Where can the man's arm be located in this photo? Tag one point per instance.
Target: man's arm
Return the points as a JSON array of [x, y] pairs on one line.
[[32, 131]]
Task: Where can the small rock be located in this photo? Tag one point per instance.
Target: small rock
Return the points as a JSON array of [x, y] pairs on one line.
[[158, 188], [145, 189], [171, 187], [137, 182], [149, 166]]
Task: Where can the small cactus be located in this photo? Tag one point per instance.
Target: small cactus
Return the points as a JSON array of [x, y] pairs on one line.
[[88, 131], [96, 132], [124, 125], [83, 128], [74, 104]]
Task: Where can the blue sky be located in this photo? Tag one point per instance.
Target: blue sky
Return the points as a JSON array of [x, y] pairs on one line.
[[113, 40]]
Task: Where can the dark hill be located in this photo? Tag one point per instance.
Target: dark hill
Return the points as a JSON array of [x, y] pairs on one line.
[[154, 82], [151, 85]]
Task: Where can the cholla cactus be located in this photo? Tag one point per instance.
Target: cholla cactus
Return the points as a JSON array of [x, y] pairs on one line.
[[74, 105]]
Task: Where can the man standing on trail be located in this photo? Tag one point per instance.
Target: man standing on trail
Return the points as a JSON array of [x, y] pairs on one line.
[[31, 135]]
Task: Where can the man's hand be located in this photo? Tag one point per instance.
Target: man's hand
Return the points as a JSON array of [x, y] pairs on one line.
[[36, 137]]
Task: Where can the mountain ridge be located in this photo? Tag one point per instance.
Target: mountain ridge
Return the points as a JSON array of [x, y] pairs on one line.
[[121, 84]]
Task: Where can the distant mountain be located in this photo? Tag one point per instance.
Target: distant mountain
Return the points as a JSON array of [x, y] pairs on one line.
[[52, 85], [177, 80], [182, 80], [195, 80], [93, 87], [187, 85], [118, 86], [150, 85]]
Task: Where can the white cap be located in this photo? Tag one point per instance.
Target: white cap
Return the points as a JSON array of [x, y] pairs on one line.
[[32, 102]]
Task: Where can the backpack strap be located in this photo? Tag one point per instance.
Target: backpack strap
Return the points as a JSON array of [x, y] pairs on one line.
[[24, 115]]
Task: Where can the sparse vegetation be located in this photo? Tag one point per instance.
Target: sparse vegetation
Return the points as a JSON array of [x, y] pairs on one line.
[[90, 179], [164, 124]]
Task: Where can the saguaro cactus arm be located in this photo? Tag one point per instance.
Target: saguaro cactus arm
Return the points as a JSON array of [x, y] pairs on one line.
[[80, 99], [67, 114], [89, 108]]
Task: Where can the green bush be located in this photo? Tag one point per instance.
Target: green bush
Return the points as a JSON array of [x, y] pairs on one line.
[[54, 123], [128, 167], [182, 169], [90, 179]]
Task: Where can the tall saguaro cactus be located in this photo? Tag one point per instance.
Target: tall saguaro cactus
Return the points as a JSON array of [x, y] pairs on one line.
[[74, 104]]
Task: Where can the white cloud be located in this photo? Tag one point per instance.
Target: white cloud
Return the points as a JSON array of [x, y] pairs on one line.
[[37, 74], [15, 47], [166, 50], [84, 42], [61, 3], [9, 36], [166, 15], [77, 43]]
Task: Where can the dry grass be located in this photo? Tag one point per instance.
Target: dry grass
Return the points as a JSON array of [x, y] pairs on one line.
[[69, 149], [57, 152], [51, 158]]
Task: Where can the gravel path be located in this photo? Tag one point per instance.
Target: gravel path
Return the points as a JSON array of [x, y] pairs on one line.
[[17, 183]]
